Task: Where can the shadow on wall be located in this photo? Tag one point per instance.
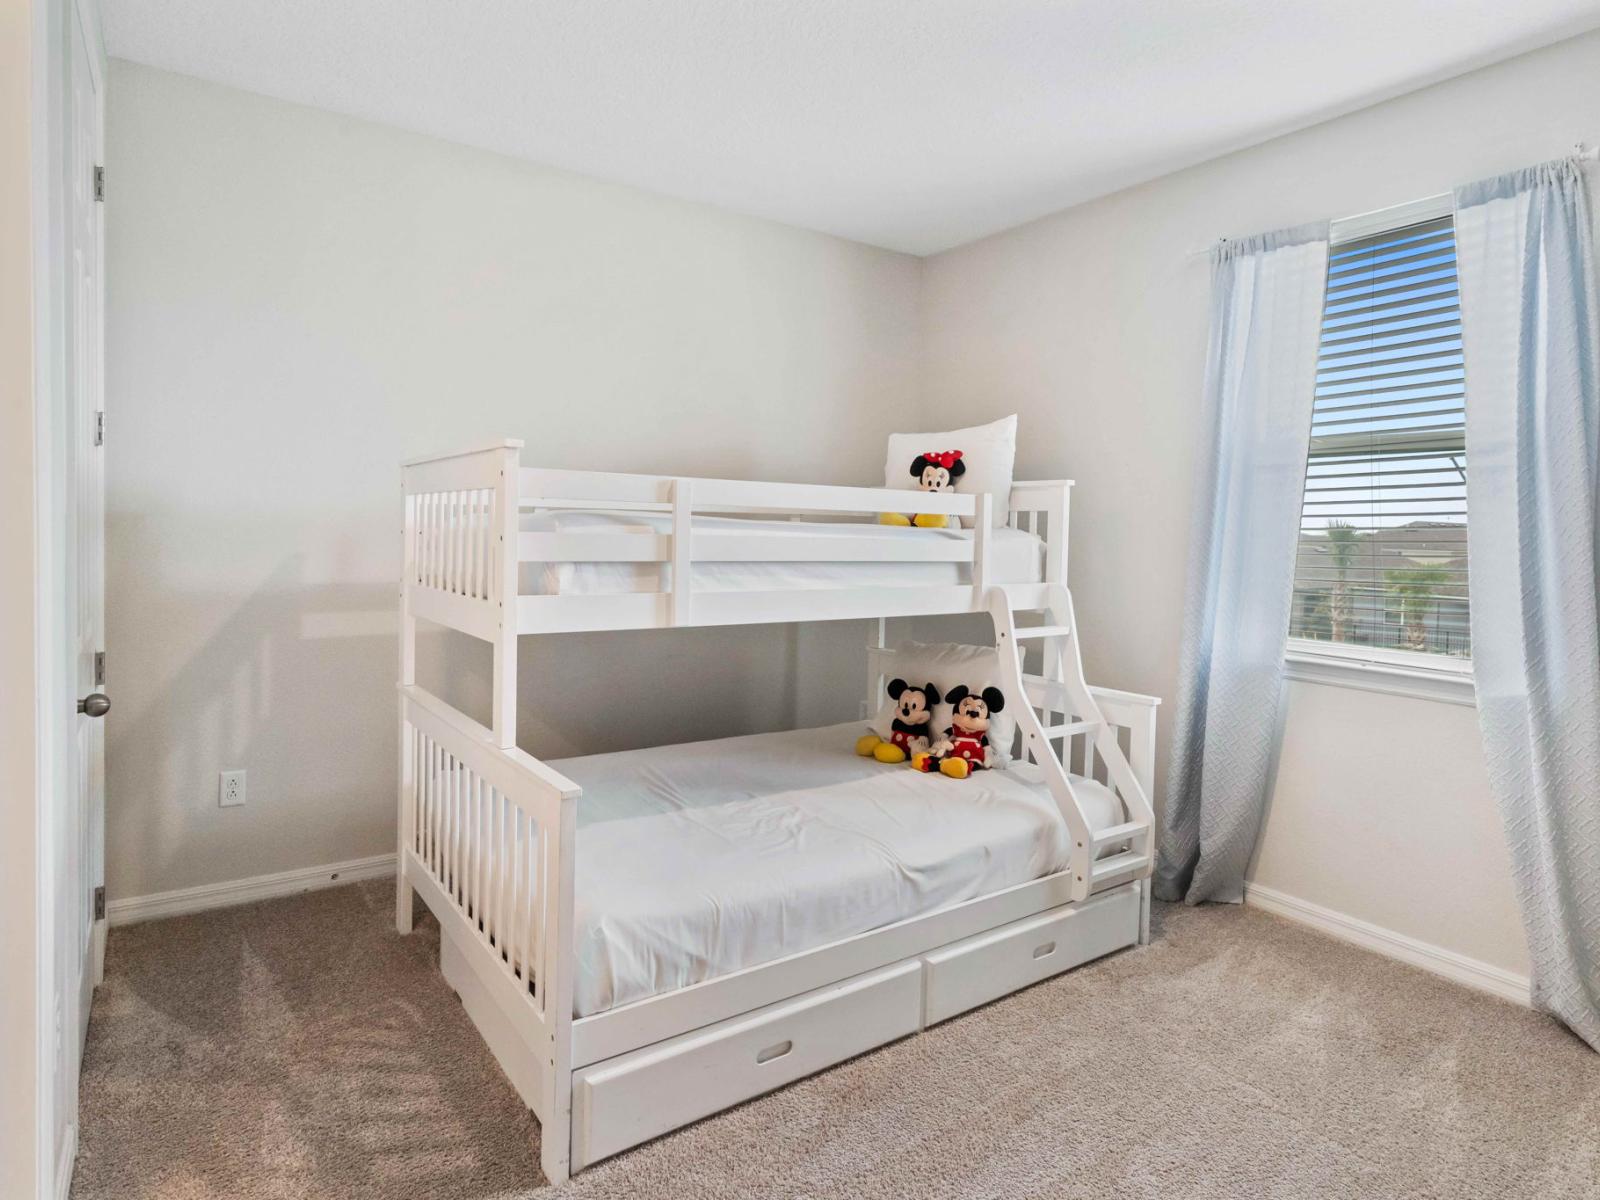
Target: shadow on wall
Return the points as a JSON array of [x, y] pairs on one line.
[[293, 681]]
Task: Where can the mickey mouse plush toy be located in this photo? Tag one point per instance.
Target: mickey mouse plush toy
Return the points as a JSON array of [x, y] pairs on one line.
[[912, 726], [965, 746], [936, 471]]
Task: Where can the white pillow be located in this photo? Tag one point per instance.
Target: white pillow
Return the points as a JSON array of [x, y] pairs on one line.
[[948, 665], [989, 453]]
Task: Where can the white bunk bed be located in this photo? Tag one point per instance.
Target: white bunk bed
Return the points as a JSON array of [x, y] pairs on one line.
[[617, 1010]]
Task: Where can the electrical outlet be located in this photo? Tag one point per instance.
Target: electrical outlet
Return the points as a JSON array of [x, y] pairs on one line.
[[230, 789]]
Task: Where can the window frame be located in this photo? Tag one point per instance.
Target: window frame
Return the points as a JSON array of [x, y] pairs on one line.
[[1378, 668]]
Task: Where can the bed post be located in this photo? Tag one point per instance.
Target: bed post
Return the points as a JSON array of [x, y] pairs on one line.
[[1056, 521], [1142, 758], [404, 897], [560, 967], [981, 536], [682, 492], [507, 499], [877, 639]]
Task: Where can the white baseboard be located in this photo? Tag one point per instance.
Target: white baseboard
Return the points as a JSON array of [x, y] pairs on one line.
[[244, 891], [68, 1160], [1485, 977]]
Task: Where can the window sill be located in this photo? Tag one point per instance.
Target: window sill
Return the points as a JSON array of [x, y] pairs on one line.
[[1318, 662]]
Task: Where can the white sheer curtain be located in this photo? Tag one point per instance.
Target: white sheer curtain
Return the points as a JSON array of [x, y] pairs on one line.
[[1525, 252], [1261, 369]]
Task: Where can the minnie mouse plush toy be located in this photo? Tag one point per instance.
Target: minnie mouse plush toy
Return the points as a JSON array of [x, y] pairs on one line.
[[936, 471], [965, 746]]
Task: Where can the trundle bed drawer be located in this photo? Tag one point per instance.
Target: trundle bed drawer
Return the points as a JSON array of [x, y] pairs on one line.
[[994, 964], [634, 1097]]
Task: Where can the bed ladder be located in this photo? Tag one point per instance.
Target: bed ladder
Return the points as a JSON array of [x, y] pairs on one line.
[[1060, 689]]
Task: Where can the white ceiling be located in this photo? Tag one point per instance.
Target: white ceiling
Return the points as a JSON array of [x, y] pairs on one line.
[[911, 124]]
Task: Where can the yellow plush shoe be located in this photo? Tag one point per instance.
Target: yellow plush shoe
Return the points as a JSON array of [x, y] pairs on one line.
[[920, 761], [932, 521], [888, 752], [867, 744], [893, 519], [956, 768]]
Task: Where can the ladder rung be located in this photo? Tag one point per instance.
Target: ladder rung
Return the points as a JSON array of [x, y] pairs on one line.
[[1129, 862], [1070, 728], [1042, 631], [1113, 834]]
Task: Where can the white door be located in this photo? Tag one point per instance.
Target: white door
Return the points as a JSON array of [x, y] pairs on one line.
[[72, 588], [89, 505], [81, 844]]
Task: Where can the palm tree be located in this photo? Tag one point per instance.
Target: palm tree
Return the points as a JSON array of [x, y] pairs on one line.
[[1342, 544], [1416, 589]]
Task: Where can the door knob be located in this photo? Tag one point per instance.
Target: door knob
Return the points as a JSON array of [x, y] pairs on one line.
[[95, 704]]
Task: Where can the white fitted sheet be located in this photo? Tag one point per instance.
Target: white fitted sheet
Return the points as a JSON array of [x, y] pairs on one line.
[[1017, 557], [699, 859]]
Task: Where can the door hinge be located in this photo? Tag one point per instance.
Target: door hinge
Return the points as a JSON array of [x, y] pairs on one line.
[[100, 428], [100, 903], [99, 183], [99, 667]]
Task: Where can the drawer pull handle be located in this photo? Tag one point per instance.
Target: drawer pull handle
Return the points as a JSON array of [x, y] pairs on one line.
[[772, 1052], [1045, 951]]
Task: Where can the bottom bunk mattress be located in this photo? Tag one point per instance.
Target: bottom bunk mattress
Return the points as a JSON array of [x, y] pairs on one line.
[[700, 859]]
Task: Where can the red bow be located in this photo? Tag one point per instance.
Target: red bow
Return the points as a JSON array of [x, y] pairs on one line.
[[944, 458]]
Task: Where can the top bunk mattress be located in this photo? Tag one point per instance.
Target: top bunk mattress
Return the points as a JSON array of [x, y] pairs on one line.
[[1016, 556], [700, 859]]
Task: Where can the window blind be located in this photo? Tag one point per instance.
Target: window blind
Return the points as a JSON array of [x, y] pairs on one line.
[[1382, 554]]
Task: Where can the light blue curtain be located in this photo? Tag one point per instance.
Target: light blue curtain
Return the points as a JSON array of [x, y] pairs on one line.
[[1255, 422], [1525, 257]]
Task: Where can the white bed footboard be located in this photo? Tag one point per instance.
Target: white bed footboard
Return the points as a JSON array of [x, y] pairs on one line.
[[456, 510], [459, 568], [487, 839]]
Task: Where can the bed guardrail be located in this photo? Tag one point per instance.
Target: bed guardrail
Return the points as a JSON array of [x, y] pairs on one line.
[[464, 544], [463, 547], [546, 488], [679, 548]]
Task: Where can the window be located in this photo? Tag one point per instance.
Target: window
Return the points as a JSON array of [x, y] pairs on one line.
[[1382, 556]]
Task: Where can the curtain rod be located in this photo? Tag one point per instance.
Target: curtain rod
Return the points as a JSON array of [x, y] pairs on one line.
[[1582, 152]]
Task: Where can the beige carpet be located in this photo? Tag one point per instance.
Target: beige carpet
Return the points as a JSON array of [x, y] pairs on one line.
[[300, 1048]]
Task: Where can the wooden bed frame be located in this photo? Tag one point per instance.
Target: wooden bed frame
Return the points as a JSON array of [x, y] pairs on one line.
[[487, 831]]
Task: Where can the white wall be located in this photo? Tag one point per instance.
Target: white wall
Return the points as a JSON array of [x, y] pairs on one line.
[[1092, 324], [1382, 810], [297, 301]]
